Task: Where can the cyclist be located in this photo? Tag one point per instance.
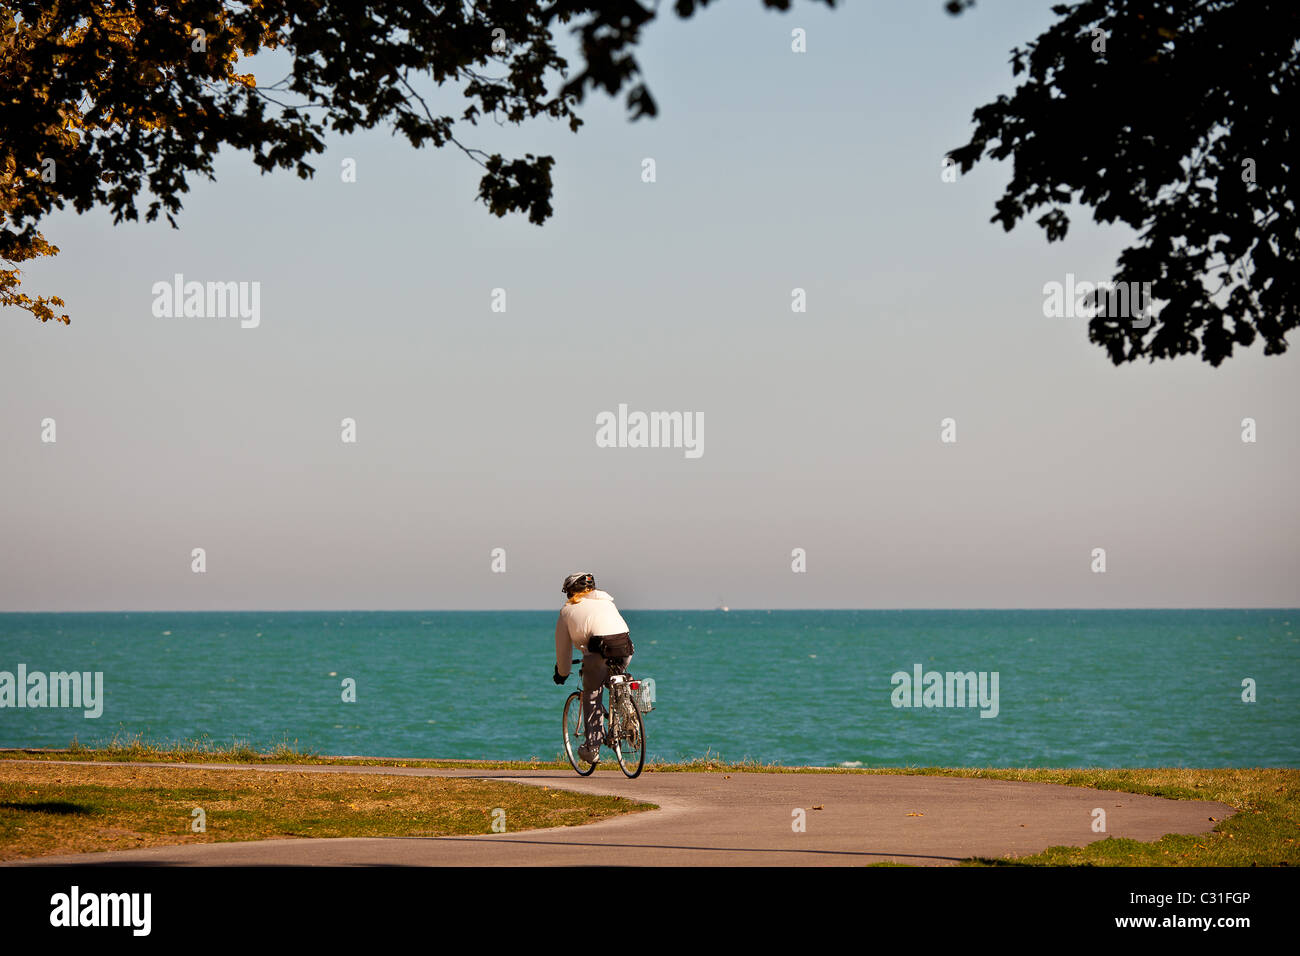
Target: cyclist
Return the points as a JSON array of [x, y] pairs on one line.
[[588, 620]]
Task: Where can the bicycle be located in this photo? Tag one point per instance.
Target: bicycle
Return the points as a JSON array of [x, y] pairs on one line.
[[624, 730]]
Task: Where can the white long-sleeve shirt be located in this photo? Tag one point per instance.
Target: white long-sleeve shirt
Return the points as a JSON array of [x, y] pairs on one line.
[[593, 616]]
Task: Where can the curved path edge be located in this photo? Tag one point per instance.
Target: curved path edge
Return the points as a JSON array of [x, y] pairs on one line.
[[738, 819]]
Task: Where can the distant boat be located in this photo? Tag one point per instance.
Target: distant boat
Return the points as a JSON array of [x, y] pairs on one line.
[[722, 607]]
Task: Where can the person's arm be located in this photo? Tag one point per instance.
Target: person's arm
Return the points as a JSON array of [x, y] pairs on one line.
[[563, 647]]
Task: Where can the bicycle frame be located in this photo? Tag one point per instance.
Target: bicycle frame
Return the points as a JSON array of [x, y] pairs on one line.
[[616, 684], [615, 718]]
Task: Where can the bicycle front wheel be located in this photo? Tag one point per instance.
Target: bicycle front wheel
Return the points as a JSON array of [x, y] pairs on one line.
[[575, 734], [629, 741]]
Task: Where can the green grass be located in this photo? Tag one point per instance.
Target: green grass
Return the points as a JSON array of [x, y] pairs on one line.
[[135, 749]]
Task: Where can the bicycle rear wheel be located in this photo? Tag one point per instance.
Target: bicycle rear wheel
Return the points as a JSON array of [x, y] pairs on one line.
[[629, 740], [575, 734]]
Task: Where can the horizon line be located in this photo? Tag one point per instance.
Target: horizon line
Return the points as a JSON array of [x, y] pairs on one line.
[[729, 609]]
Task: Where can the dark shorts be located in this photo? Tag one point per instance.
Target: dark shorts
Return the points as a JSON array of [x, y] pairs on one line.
[[611, 645]]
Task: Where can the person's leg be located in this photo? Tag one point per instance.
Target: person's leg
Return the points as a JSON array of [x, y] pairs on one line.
[[594, 672]]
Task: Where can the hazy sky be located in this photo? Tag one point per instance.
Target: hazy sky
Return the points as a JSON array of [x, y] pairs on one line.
[[477, 429]]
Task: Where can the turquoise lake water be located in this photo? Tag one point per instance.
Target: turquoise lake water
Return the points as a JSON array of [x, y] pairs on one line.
[[1075, 688]]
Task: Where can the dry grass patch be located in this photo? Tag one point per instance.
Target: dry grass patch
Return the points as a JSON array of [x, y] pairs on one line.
[[53, 808]]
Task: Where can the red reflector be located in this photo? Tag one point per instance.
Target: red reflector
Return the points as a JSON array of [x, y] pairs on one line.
[[635, 684]]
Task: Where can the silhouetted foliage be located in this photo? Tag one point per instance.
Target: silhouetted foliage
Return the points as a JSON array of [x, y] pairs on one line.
[[107, 99], [1176, 124]]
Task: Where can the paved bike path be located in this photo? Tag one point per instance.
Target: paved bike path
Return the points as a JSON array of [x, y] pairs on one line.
[[740, 819]]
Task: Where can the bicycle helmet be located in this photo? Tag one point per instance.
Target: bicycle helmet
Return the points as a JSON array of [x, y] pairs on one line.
[[581, 581]]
